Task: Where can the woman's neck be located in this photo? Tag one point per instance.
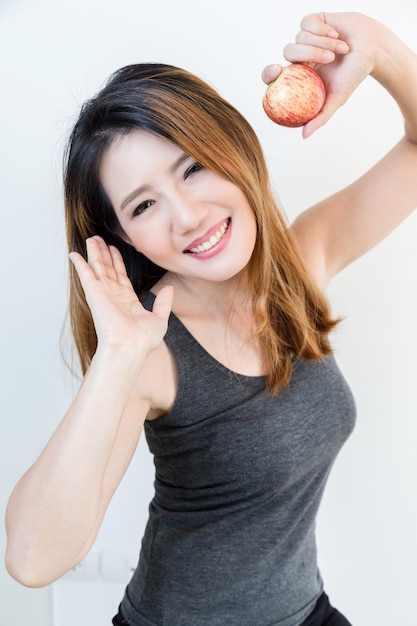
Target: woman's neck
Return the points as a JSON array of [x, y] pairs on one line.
[[207, 299]]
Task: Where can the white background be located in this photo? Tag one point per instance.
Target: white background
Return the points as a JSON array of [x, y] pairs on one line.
[[53, 55]]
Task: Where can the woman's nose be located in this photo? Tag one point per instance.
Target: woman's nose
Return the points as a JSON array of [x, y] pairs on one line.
[[187, 213]]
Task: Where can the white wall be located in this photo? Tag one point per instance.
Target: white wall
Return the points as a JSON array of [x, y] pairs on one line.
[[53, 55]]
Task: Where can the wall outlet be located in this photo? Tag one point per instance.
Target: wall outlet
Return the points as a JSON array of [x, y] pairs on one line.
[[117, 565], [87, 569], [108, 565]]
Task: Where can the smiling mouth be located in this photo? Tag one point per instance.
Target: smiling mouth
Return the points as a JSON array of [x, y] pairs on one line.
[[212, 241]]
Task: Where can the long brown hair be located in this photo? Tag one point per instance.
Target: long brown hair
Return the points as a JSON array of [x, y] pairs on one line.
[[291, 314]]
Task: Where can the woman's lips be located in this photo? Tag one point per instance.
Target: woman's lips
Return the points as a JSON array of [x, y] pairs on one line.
[[210, 239]]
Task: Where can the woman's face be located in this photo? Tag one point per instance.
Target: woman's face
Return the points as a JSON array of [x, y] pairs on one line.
[[183, 217]]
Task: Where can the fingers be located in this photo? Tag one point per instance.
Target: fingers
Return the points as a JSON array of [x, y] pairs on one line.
[[100, 258], [316, 23], [119, 266], [103, 262], [316, 42], [310, 48], [84, 271]]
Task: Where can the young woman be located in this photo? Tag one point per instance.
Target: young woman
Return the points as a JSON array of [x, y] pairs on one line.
[[200, 316]]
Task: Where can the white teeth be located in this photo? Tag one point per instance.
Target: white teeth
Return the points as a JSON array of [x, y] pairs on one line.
[[214, 239]]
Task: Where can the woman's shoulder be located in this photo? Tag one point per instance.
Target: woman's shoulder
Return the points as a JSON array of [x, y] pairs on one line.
[[158, 379]]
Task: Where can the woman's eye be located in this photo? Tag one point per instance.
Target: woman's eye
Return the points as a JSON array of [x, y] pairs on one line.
[[142, 207], [195, 167]]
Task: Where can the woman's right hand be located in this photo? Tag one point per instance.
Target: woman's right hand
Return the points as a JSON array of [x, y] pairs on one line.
[[119, 318]]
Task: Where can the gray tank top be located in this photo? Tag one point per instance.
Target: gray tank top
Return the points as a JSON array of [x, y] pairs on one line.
[[230, 539]]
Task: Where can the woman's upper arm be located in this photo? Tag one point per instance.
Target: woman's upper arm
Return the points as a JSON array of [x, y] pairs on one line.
[[338, 230]]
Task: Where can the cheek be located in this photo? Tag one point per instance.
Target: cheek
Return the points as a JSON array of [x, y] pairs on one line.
[[138, 236], [251, 225], [151, 243]]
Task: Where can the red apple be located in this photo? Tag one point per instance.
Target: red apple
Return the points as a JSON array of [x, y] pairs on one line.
[[295, 97]]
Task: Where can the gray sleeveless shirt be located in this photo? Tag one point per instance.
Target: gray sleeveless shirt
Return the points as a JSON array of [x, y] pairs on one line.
[[230, 539]]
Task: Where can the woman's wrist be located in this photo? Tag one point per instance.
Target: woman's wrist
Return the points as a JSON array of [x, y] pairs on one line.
[[126, 360], [395, 68]]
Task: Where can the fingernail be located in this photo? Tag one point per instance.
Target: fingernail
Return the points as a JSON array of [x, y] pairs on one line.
[[327, 56], [332, 33], [342, 47], [275, 68]]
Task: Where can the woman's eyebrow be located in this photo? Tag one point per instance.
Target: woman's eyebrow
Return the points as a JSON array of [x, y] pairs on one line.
[[136, 192], [132, 195], [183, 157]]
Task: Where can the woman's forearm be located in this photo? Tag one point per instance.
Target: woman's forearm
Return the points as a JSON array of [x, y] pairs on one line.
[[396, 70], [54, 507]]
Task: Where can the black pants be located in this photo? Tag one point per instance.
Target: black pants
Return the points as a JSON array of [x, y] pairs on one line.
[[323, 615], [119, 620]]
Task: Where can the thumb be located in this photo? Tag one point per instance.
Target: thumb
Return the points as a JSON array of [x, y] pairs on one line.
[[271, 72], [329, 108], [316, 123], [163, 303]]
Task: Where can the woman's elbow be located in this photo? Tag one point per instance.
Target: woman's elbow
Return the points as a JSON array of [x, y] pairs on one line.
[[28, 571]]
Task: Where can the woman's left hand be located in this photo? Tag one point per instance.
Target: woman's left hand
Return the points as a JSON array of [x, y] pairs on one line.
[[342, 48], [345, 225]]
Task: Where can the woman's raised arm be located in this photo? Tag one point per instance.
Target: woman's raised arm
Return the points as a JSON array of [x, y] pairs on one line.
[[56, 509], [341, 228]]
